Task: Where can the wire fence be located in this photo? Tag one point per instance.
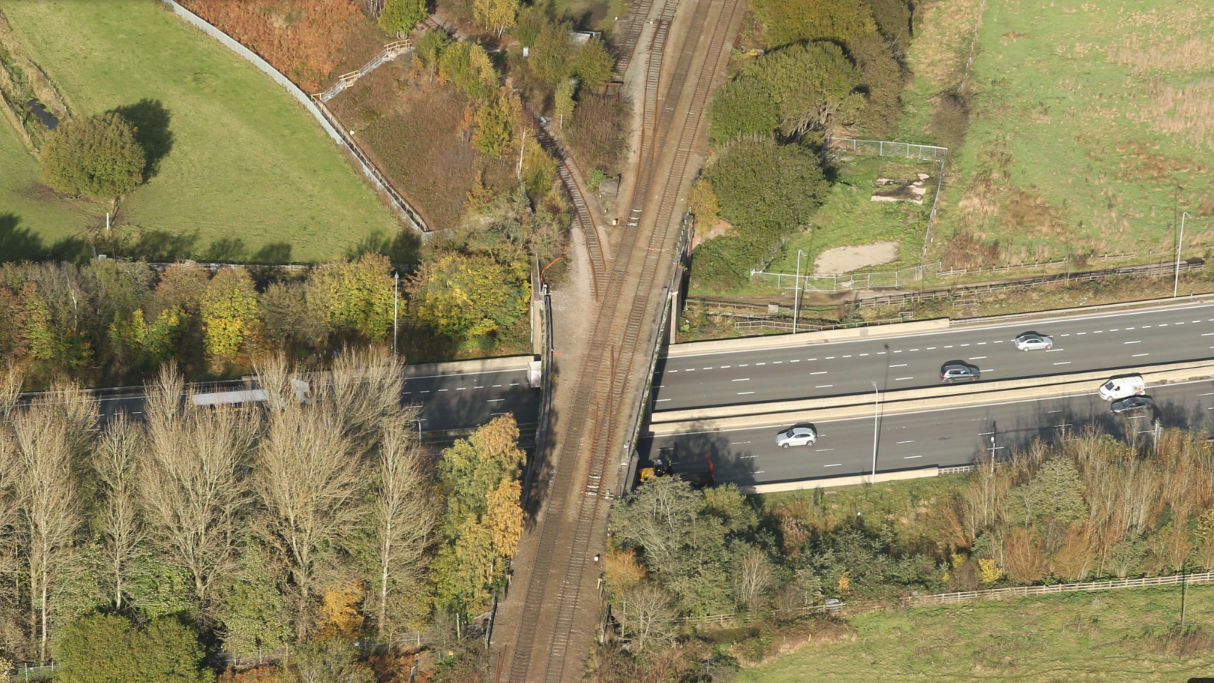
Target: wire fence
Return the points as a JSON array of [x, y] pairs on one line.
[[917, 275], [887, 148], [1024, 591], [835, 606], [892, 279]]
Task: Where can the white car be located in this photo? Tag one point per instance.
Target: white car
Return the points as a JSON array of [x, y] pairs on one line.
[[799, 435], [1032, 341]]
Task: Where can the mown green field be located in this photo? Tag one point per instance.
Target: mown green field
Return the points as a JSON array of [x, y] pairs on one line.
[[1091, 124], [240, 170], [1103, 636]]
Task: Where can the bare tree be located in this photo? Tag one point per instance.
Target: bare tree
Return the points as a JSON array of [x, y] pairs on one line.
[[308, 478], [645, 615], [47, 501], [753, 578], [115, 460], [402, 515], [10, 389], [190, 480], [363, 392]]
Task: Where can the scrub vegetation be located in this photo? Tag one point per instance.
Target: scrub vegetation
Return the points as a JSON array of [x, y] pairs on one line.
[[1088, 508], [829, 69]]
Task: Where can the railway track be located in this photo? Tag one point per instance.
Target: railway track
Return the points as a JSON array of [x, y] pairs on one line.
[[581, 210], [637, 14], [577, 489]]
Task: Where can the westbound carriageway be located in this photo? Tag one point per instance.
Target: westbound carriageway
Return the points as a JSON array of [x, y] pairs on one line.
[[916, 426]]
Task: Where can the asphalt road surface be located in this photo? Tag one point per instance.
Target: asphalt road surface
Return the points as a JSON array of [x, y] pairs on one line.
[[1081, 344], [448, 402], [947, 436]]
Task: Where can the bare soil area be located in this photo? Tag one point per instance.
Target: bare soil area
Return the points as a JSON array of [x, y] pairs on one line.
[[846, 259]]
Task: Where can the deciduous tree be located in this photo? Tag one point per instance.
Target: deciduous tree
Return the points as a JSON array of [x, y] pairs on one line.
[[229, 314], [399, 16], [115, 460], [402, 517], [97, 156], [465, 296], [192, 485]]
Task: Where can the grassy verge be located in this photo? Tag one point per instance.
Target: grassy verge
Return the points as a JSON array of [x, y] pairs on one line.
[[1111, 636], [240, 170], [1090, 126]]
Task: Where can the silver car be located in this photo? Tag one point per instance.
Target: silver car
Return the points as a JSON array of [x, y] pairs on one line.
[[1033, 341], [798, 435]]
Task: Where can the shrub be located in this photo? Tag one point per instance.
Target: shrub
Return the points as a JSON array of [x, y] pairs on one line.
[[597, 131], [399, 16], [104, 648], [767, 187], [97, 156]]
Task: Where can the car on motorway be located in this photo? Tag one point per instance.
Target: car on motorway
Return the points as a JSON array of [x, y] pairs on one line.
[[1134, 405], [959, 371], [797, 435], [1123, 386], [1033, 341]]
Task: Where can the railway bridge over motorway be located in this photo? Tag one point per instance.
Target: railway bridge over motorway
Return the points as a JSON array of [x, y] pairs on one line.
[[545, 626]]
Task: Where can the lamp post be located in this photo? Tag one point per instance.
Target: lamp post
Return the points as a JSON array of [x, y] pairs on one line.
[[876, 413], [796, 303], [1179, 242]]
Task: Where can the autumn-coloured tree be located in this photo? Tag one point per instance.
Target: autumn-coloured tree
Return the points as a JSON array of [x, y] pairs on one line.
[[229, 315], [356, 296], [495, 15], [563, 103], [479, 477], [497, 120], [464, 296]]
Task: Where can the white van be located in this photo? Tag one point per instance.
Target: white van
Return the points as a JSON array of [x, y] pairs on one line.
[[1121, 387]]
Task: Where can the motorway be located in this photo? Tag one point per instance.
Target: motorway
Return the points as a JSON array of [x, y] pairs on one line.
[[448, 402], [1081, 344], [946, 436]]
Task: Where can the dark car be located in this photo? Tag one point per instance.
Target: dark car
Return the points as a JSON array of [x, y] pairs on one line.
[[1133, 405], [959, 371]]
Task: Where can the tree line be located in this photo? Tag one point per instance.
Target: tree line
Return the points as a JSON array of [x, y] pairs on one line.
[[315, 515], [114, 321], [1086, 508]]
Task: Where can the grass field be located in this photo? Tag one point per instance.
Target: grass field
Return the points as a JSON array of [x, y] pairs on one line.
[[241, 171], [1091, 124], [1108, 636]]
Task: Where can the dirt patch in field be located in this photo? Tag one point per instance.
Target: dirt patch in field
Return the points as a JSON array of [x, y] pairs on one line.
[[847, 259]]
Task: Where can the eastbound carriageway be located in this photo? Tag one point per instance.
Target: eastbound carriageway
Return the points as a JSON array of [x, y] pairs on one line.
[[702, 409]]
